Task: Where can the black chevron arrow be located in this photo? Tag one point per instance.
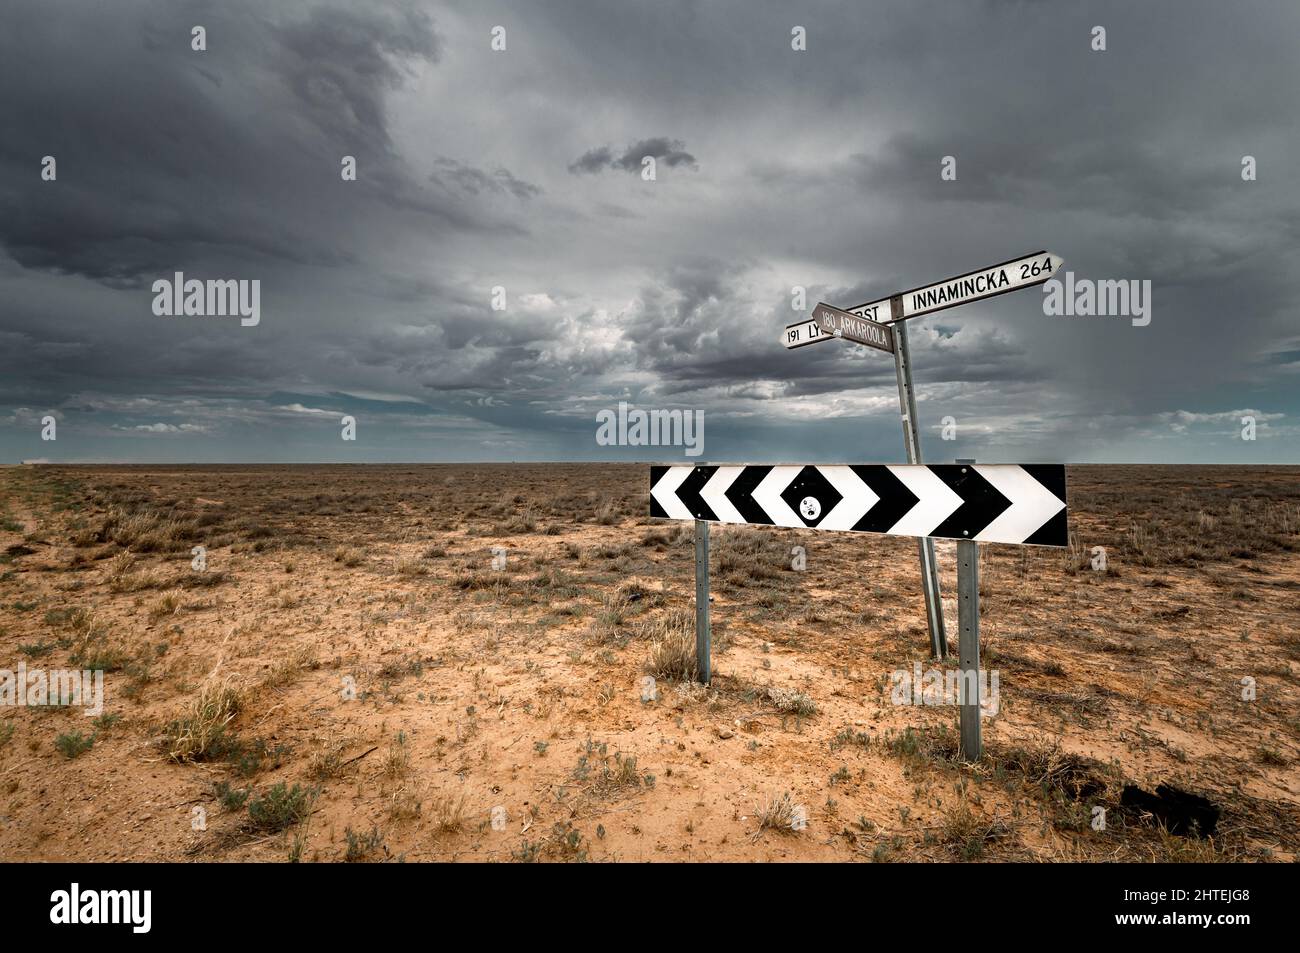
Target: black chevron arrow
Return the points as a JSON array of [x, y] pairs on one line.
[[689, 493], [1051, 475], [1056, 531], [895, 499], [741, 494], [657, 474], [981, 503]]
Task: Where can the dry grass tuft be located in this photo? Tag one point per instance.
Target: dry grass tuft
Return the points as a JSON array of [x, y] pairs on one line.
[[447, 813], [326, 762], [349, 556], [411, 566], [168, 604], [968, 834], [672, 646], [286, 670], [397, 763], [777, 813], [193, 737]]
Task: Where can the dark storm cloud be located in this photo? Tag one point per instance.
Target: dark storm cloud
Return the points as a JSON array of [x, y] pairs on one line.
[[819, 170], [671, 152], [160, 166]]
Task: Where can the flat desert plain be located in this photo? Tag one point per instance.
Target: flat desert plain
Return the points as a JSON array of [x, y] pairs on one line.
[[447, 663]]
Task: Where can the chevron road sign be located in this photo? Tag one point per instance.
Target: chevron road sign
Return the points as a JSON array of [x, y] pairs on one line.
[[984, 503]]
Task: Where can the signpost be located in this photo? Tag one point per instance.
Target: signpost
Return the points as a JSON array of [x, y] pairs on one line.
[[892, 313], [854, 327], [1022, 504]]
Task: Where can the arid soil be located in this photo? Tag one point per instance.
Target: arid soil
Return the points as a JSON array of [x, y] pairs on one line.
[[350, 678]]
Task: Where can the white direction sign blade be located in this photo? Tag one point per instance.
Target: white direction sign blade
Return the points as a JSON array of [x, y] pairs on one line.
[[877, 311], [976, 285], [803, 333]]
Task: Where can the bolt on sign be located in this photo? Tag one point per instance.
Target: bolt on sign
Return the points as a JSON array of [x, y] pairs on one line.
[[1023, 504]]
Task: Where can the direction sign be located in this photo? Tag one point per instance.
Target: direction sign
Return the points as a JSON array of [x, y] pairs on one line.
[[987, 503], [853, 327], [803, 333], [877, 311], [987, 282]]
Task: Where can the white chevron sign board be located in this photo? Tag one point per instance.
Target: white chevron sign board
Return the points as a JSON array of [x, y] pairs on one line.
[[1022, 504]]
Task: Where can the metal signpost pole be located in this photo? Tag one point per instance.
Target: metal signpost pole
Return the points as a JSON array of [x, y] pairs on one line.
[[968, 643], [925, 545], [702, 600]]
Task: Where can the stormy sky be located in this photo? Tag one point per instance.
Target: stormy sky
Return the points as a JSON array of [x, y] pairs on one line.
[[522, 169]]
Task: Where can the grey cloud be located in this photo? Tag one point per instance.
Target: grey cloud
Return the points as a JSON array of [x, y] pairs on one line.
[[670, 152], [593, 160], [457, 176]]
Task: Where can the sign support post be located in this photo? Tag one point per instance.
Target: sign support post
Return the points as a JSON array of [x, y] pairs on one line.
[[702, 633], [925, 545], [968, 643]]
